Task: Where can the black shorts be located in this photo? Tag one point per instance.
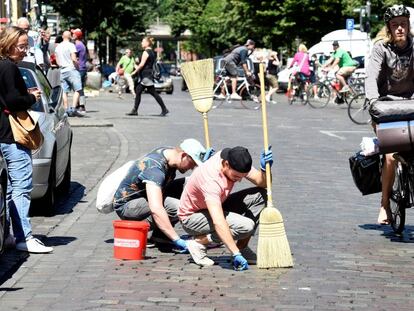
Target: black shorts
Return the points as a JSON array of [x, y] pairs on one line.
[[231, 69]]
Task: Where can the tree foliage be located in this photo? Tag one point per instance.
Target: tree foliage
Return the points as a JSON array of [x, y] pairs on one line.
[[218, 24]]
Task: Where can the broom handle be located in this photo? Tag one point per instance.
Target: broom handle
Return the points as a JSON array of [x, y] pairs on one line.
[[265, 136], [206, 134]]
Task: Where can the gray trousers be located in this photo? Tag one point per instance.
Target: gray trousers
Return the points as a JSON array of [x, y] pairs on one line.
[[138, 209], [241, 210]]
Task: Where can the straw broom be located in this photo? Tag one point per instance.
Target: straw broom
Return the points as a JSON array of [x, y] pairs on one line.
[[199, 76], [273, 250]]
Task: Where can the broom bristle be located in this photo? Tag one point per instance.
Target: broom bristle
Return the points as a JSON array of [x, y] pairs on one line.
[[199, 77], [273, 250]]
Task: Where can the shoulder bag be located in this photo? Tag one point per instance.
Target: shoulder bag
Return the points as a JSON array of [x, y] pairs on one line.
[[25, 129]]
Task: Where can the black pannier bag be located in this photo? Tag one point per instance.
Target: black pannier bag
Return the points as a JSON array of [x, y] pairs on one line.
[[366, 172], [392, 110]]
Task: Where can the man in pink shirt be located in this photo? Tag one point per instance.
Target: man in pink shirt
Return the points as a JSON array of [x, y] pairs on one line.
[[210, 213]]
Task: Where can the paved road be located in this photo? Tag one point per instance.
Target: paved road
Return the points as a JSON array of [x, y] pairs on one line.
[[343, 260]]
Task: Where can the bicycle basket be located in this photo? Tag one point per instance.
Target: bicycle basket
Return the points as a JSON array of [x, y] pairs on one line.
[[366, 172]]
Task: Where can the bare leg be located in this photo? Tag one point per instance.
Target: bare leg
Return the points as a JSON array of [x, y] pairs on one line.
[[388, 175], [65, 100], [233, 85], [341, 80], [76, 97]]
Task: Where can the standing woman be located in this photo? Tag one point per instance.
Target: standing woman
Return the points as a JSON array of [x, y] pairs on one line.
[[15, 97], [146, 76]]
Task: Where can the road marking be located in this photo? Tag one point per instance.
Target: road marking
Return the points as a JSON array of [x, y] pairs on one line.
[[332, 133]]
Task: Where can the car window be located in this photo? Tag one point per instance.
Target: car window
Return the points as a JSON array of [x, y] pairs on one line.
[[28, 78], [31, 82]]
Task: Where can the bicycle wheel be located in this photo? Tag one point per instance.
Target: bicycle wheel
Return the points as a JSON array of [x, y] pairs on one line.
[[319, 95], [399, 199], [358, 110], [219, 98], [251, 98]]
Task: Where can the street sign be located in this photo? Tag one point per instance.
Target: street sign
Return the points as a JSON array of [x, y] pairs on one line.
[[350, 24]]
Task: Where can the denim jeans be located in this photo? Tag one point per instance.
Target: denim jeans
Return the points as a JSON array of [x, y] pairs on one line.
[[19, 167]]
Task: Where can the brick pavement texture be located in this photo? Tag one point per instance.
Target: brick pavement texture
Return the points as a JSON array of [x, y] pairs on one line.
[[343, 260]]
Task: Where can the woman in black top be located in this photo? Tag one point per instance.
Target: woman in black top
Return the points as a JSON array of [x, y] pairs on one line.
[[15, 97], [146, 77]]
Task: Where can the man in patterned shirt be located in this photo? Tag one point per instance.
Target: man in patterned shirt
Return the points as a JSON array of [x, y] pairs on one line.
[[150, 192]]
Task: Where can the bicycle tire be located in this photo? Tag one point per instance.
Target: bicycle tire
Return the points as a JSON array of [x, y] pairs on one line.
[[399, 199], [322, 91], [218, 101], [251, 100], [358, 110]]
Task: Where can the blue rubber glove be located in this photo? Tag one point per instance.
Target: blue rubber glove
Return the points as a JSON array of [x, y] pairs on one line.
[[266, 157], [208, 154], [239, 262], [181, 246]]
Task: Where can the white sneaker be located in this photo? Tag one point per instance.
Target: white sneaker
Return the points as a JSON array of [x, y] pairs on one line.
[[33, 245], [199, 253], [221, 96], [249, 255], [268, 99], [316, 97], [235, 96]]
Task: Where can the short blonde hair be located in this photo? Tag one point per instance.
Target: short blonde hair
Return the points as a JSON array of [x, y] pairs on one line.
[[302, 48], [9, 38]]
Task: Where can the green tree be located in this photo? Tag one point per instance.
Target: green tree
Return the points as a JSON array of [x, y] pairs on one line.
[[120, 20]]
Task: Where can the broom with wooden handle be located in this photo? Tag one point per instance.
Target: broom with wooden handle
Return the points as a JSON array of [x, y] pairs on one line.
[[199, 76], [273, 250]]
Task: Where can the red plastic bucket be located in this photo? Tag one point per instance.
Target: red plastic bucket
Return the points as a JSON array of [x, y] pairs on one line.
[[130, 239]]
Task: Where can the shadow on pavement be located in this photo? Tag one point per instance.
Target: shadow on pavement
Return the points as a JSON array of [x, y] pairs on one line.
[[407, 236], [65, 204], [12, 260], [58, 240]]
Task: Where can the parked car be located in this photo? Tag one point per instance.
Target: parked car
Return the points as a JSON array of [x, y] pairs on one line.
[[52, 161], [165, 83], [3, 189]]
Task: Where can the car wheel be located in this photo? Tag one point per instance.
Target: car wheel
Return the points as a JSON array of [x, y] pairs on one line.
[[2, 217], [170, 91], [64, 186], [47, 202]]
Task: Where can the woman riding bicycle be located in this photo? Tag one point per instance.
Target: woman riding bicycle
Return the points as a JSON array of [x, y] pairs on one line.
[[301, 63], [390, 72]]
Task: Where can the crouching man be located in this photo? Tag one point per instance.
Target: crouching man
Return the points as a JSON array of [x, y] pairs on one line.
[[210, 213], [150, 192]]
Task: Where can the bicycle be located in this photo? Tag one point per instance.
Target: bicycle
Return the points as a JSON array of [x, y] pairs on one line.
[[249, 91], [299, 85], [328, 87], [317, 95], [358, 110]]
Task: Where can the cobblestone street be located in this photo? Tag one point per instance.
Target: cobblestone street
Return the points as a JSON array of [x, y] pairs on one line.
[[343, 259]]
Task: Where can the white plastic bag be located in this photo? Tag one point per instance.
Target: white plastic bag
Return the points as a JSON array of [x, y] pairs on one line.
[[369, 146], [108, 187]]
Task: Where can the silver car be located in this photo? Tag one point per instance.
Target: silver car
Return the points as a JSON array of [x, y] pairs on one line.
[[52, 161], [3, 189]]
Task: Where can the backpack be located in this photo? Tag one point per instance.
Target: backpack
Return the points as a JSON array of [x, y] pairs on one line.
[[108, 187], [156, 70]]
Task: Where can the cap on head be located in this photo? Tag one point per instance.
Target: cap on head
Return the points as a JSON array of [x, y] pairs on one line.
[[250, 42], [194, 149], [239, 158], [335, 43], [78, 33], [396, 10]]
